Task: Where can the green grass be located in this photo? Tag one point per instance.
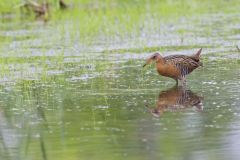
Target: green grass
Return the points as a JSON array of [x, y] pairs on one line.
[[32, 93], [108, 17], [88, 22]]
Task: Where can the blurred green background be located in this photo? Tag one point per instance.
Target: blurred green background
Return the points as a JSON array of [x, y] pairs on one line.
[[72, 84]]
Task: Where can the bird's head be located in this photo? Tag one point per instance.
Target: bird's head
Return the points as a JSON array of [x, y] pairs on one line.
[[152, 58]]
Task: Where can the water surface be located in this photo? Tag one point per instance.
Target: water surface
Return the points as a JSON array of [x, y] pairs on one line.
[[63, 99]]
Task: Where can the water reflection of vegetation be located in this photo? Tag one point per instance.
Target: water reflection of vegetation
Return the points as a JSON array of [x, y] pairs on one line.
[[60, 116], [27, 127], [60, 99]]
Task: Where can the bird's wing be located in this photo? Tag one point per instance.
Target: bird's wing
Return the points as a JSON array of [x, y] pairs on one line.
[[185, 64]]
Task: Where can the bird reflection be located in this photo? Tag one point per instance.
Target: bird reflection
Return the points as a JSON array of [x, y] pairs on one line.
[[176, 99]]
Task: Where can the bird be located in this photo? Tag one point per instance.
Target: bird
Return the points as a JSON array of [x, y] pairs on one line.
[[174, 99], [176, 67]]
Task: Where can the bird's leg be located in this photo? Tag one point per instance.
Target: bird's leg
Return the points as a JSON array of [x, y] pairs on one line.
[[183, 81], [176, 82]]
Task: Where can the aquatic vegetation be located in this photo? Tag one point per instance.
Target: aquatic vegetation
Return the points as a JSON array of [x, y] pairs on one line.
[[74, 88]]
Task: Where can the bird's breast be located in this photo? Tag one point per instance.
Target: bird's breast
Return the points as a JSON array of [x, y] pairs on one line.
[[168, 70]]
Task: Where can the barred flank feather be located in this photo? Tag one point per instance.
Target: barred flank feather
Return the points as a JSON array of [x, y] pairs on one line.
[[185, 64]]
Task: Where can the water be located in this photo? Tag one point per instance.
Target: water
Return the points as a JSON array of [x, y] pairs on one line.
[[61, 99]]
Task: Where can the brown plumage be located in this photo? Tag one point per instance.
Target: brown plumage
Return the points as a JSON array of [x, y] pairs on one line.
[[175, 66], [176, 99]]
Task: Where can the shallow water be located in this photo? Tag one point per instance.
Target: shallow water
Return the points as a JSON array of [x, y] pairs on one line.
[[60, 99]]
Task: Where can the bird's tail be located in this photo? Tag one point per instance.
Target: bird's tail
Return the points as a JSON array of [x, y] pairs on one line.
[[197, 55]]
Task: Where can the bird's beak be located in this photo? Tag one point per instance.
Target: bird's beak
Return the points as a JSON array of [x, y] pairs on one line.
[[147, 62]]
